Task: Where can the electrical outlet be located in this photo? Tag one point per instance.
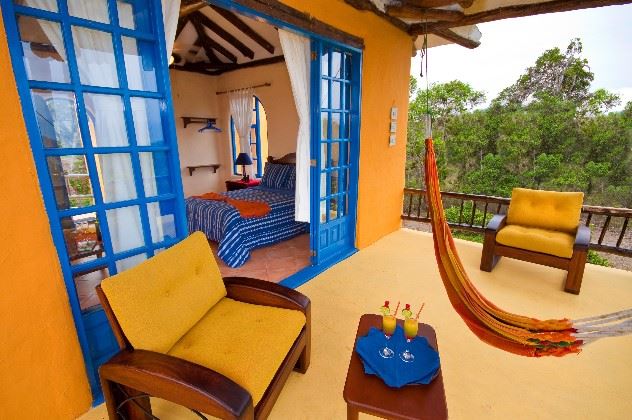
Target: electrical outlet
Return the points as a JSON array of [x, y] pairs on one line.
[[391, 140], [393, 127], [394, 113]]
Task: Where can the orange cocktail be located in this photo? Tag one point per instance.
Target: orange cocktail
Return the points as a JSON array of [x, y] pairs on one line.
[[389, 323], [411, 327]]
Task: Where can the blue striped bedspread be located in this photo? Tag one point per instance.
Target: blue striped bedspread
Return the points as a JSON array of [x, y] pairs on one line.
[[236, 235]]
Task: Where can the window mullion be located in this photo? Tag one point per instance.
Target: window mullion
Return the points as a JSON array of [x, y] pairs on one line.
[[82, 116], [119, 55]]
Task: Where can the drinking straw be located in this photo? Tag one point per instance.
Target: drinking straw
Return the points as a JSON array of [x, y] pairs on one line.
[[418, 313], [396, 309]]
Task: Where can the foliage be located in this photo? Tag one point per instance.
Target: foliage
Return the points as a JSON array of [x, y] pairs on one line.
[[548, 130], [595, 258], [468, 236]]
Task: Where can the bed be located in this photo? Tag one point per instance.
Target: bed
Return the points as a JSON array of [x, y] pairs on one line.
[[237, 236]]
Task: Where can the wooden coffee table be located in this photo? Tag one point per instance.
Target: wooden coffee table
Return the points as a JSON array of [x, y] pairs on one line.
[[368, 394]]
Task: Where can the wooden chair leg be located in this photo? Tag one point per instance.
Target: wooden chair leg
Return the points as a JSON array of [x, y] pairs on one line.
[[303, 361], [125, 403], [488, 258], [576, 272]]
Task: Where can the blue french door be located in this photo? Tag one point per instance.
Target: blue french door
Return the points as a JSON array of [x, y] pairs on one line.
[[335, 74], [95, 92]]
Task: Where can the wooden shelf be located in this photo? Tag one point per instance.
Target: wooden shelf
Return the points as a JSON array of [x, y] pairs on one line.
[[192, 169]]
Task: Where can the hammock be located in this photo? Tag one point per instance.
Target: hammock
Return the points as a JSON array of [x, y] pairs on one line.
[[510, 332]]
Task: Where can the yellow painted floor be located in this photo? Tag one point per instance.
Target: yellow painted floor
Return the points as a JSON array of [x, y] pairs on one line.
[[481, 381]]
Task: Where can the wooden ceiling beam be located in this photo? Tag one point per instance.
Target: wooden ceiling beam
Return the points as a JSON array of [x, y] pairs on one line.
[[224, 34], [407, 11], [243, 27], [508, 12], [438, 3], [371, 7], [452, 36], [187, 7], [209, 44], [217, 69]]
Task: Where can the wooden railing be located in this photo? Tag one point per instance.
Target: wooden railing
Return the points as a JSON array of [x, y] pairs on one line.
[[471, 212]]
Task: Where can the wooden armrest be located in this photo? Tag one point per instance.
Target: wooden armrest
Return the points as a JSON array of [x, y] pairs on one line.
[[261, 292], [179, 381], [582, 237], [497, 222]]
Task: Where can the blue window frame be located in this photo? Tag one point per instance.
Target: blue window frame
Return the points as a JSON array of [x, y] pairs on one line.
[[96, 96], [254, 139]]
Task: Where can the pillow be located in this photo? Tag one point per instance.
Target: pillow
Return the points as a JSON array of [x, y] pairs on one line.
[[276, 176]]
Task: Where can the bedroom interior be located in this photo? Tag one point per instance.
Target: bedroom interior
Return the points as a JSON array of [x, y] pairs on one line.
[[218, 54]]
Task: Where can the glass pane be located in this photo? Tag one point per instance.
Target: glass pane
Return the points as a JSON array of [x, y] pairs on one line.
[[139, 64], [323, 184], [56, 114], [162, 221], [345, 149], [333, 208], [324, 94], [133, 15], [43, 50], [335, 126], [347, 95], [155, 169], [96, 10], [336, 98], [71, 181], [105, 120], [335, 153], [323, 211], [323, 155], [344, 173], [125, 229], [95, 57], [86, 282], [348, 66], [116, 177], [127, 263], [324, 117], [38, 4], [336, 64], [82, 235], [324, 63], [347, 127], [147, 121], [333, 181]]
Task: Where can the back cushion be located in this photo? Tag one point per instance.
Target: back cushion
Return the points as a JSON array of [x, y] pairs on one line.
[[276, 175], [291, 180], [159, 300], [545, 209]]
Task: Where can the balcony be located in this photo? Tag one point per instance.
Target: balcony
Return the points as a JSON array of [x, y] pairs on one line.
[[480, 381]]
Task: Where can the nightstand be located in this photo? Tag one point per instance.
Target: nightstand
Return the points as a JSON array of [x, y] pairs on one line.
[[238, 184]]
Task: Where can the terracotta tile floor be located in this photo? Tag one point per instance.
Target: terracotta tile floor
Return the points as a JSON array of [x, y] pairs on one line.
[[272, 263]]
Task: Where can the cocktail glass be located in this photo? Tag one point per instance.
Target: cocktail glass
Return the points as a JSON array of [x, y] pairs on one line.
[[410, 331], [388, 327]]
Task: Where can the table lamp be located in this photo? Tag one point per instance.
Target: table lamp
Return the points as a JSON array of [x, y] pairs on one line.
[[243, 159]]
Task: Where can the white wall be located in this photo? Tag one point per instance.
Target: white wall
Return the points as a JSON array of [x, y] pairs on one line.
[[195, 95]]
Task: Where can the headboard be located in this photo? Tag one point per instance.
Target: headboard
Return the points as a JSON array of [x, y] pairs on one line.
[[289, 159]]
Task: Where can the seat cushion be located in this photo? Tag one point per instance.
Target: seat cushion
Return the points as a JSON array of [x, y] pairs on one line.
[[244, 342], [545, 209], [159, 300], [545, 241]]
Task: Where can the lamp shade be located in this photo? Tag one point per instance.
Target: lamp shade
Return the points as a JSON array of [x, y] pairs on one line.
[[243, 159]]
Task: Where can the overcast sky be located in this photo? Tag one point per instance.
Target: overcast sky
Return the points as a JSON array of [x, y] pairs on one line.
[[509, 46]]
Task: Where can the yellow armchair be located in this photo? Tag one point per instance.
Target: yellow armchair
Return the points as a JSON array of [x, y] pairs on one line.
[[540, 227], [221, 347]]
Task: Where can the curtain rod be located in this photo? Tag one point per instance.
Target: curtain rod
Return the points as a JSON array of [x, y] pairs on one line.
[[248, 87]]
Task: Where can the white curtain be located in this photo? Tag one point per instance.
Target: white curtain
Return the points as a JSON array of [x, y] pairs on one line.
[[297, 51], [170, 14], [241, 106]]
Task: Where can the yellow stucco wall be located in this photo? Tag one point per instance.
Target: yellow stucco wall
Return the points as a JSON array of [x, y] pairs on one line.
[[385, 75], [42, 375]]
